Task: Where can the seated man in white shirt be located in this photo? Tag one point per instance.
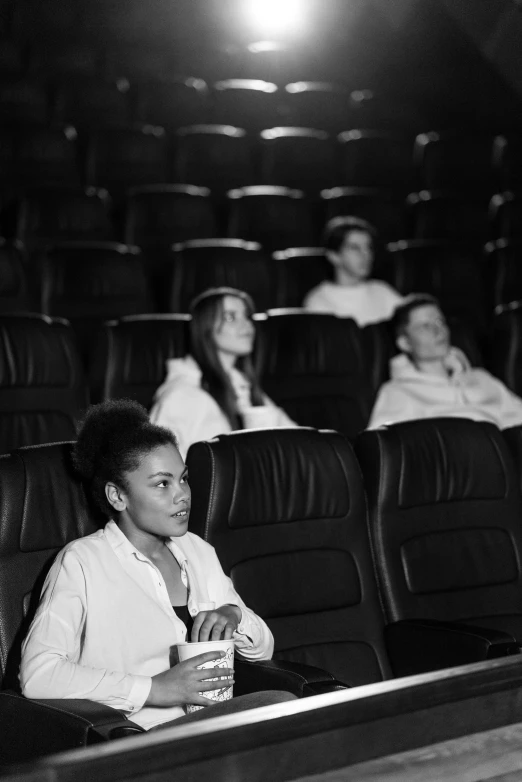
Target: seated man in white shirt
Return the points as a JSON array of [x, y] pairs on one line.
[[432, 379], [349, 248]]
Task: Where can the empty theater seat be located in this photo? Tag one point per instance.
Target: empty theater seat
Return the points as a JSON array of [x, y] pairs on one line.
[[89, 282], [286, 516], [383, 208], [54, 214], [14, 296], [90, 102], [314, 367], [444, 515], [42, 387], [276, 217], [505, 360], [503, 272], [507, 161], [296, 271], [248, 103], [214, 156], [157, 216], [449, 215], [505, 213], [45, 156], [454, 161], [453, 272], [171, 103], [130, 362], [119, 158], [298, 157], [318, 104], [371, 158], [207, 263]]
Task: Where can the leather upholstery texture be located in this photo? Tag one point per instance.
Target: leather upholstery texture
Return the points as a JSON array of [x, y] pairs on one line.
[[42, 507], [286, 513], [445, 522], [131, 360], [42, 387], [314, 366]]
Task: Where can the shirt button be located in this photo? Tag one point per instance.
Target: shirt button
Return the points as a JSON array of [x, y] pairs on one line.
[[192, 611]]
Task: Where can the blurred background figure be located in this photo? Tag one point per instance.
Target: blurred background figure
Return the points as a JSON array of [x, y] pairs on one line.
[[431, 379], [216, 389], [349, 243]]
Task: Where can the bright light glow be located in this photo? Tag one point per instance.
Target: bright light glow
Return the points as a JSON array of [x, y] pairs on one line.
[[275, 16]]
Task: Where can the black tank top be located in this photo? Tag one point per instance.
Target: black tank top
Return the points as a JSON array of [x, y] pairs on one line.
[[183, 613]]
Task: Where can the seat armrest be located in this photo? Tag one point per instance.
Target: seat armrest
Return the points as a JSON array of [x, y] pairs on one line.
[[299, 679], [32, 728], [422, 645]]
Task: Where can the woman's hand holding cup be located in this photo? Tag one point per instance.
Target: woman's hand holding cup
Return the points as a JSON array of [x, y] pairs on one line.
[[184, 682]]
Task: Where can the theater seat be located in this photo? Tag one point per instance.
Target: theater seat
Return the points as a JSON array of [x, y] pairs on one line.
[[304, 158], [276, 217], [42, 387], [285, 511], [209, 263], [505, 356], [445, 522], [383, 208], [503, 272], [297, 270], [89, 282], [130, 362], [43, 507], [313, 365], [14, 296]]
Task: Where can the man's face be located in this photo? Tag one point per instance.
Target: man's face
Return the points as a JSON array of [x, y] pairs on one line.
[[427, 336], [355, 255]]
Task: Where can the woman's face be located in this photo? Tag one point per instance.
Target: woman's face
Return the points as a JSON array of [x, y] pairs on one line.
[[156, 499], [234, 330]]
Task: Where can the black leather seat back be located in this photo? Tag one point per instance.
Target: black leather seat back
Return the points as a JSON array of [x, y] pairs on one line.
[[445, 520], [42, 387], [313, 365], [131, 361], [42, 507], [286, 512]]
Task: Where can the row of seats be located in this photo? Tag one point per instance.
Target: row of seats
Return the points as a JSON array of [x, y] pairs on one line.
[[345, 564], [93, 281], [440, 501], [173, 102], [225, 156], [156, 216], [324, 371]]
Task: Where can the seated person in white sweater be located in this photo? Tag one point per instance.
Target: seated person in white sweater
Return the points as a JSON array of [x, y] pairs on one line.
[[431, 379], [349, 248], [116, 603], [215, 390]]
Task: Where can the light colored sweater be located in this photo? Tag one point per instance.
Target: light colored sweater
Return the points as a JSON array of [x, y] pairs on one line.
[[466, 393], [369, 302]]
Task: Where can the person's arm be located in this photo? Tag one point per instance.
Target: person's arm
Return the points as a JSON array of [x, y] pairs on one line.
[[510, 405], [392, 406], [253, 639], [50, 653]]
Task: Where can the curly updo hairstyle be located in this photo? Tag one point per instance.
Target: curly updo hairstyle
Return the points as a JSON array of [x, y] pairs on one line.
[[113, 438]]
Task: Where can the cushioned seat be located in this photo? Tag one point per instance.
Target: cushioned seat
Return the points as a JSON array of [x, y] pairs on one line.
[[314, 366], [171, 103], [131, 361], [505, 360], [304, 158], [14, 296], [297, 270], [42, 387], [285, 511], [247, 103], [208, 263], [445, 522]]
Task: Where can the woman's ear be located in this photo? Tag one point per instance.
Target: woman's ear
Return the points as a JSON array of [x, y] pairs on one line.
[[115, 496], [333, 257], [403, 343]]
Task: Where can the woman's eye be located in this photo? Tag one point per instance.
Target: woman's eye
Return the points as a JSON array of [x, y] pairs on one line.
[[161, 484]]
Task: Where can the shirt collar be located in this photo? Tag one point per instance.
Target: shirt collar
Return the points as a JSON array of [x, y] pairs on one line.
[[124, 548]]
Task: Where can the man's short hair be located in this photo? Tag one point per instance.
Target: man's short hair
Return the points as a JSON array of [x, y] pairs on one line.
[[338, 227], [401, 316]]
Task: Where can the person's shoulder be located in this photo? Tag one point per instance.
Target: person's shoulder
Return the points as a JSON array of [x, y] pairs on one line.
[[83, 548], [320, 292], [190, 542], [384, 289]]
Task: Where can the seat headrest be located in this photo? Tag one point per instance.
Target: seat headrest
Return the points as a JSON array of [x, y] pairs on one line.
[[42, 502], [37, 352], [440, 460], [278, 476]]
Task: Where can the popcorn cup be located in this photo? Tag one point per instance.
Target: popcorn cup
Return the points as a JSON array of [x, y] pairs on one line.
[[188, 650]]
